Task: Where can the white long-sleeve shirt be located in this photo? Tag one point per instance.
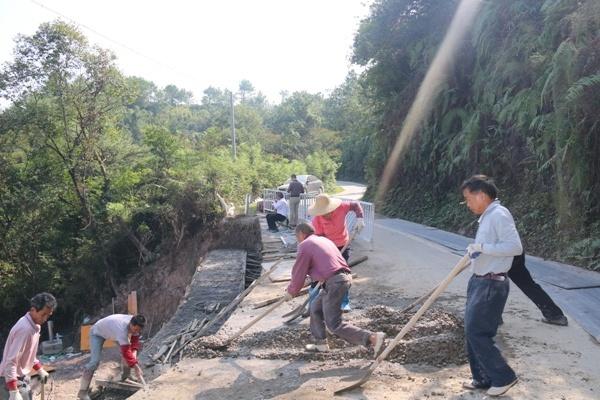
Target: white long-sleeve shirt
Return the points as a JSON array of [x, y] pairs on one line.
[[281, 207], [501, 242]]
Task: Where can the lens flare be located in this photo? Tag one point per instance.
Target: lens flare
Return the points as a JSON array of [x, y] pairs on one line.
[[435, 77]]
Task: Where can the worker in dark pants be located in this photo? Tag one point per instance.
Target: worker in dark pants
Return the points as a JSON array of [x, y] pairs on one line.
[[518, 273]]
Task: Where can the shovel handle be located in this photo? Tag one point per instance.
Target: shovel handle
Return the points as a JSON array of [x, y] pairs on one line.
[[255, 320], [462, 264], [458, 268]]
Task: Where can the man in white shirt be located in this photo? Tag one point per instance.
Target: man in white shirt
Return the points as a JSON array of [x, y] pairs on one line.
[[496, 244], [280, 214], [123, 329]]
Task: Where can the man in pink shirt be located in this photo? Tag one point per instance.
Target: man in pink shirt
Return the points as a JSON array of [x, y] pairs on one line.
[[319, 257], [123, 329], [21, 347], [329, 220]]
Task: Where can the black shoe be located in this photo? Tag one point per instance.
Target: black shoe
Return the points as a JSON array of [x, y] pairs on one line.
[[560, 320]]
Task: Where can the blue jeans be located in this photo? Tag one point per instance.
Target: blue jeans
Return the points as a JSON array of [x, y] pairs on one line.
[[96, 343], [485, 301]]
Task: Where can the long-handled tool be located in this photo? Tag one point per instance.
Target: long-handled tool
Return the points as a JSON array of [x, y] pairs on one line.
[[248, 326], [409, 325], [301, 309], [231, 305]]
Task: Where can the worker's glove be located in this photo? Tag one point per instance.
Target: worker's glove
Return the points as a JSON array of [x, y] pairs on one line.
[[287, 296], [360, 224], [43, 375], [474, 250], [15, 395]]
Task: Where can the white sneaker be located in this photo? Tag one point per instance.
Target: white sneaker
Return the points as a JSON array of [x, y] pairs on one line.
[[379, 339], [317, 348], [500, 390]]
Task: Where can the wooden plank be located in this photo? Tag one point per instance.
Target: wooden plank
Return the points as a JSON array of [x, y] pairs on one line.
[[132, 306]]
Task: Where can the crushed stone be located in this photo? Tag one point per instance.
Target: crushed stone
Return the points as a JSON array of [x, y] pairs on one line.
[[436, 340]]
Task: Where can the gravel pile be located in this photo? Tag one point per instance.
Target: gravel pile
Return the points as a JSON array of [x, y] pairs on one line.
[[437, 339]]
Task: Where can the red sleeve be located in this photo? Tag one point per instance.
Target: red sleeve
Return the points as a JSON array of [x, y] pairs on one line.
[[127, 353], [299, 271], [355, 206], [11, 385], [135, 343]]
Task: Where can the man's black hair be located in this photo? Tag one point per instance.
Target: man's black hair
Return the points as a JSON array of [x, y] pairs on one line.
[[293, 176], [481, 183], [138, 320], [280, 195], [305, 228], [41, 300]]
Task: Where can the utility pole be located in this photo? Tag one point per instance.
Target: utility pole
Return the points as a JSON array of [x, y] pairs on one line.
[[233, 141]]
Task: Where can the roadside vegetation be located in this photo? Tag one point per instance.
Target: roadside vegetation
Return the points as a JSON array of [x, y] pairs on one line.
[[102, 173], [522, 104]]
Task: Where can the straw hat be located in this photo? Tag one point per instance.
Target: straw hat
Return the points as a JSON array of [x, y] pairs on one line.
[[323, 205]]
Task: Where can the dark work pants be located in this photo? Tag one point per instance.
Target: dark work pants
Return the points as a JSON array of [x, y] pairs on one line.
[[485, 301], [325, 311], [519, 274], [272, 218]]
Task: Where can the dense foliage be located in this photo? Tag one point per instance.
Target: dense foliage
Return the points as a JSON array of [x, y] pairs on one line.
[[522, 104], [100, 173]]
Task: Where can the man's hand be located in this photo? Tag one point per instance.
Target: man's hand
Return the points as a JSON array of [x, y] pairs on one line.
[[360, 224], [474, 250], [15, 395], [287, 296], [43, 375]]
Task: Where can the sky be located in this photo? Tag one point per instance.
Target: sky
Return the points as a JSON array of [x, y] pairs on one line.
[[275, 44]]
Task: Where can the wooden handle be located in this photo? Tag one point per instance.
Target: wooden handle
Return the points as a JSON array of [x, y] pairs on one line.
[[238, 299], [254, 321], [436, 293]]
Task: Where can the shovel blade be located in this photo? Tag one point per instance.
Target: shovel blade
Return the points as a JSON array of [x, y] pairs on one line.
[[358, 383]]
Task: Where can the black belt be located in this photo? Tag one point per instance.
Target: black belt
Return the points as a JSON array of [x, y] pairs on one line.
[[294, 196], [492, 276]]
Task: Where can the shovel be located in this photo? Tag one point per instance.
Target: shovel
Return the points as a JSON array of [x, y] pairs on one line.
[[409, 325], [300, 310]]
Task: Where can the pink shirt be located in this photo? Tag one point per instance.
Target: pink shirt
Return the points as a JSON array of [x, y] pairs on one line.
[[317, 257], [334, 228], [20, 349]]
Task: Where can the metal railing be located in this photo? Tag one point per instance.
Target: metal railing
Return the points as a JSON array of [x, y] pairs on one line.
[[308, 199]]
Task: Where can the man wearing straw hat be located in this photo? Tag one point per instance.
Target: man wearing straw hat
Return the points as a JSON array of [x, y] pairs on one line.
[[329, 220]]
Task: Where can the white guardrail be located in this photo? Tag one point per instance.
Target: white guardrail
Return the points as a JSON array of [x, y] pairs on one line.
[[308, 199]]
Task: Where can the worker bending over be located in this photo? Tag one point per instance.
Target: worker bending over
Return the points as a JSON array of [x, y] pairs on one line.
[[319, 257], [123, 329]]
